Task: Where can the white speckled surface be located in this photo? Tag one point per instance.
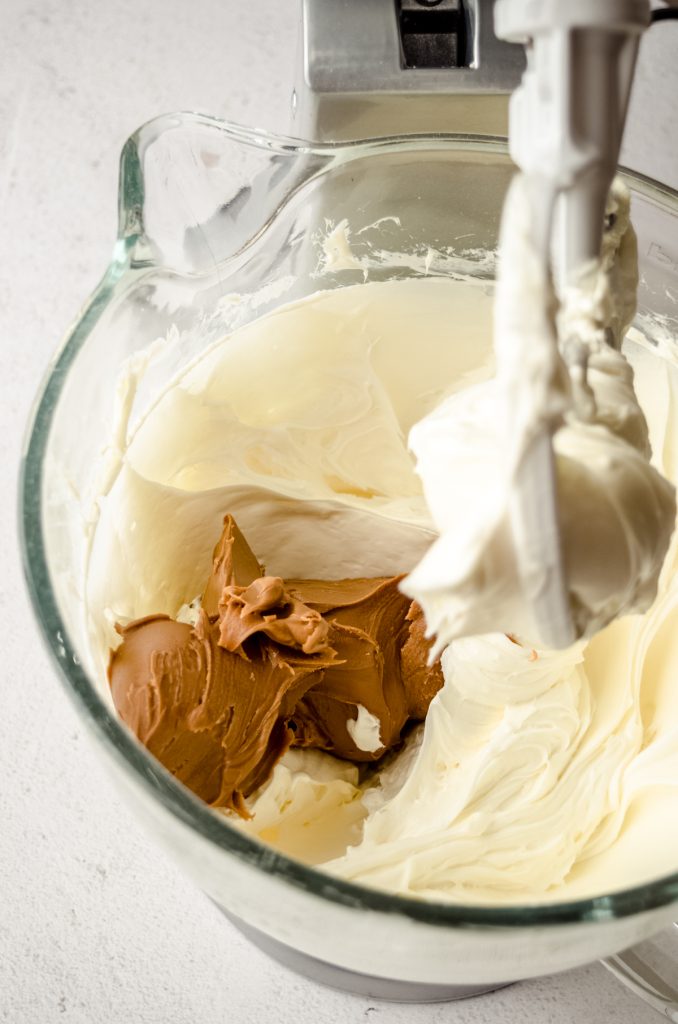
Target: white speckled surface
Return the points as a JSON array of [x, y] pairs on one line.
[[95, 923]]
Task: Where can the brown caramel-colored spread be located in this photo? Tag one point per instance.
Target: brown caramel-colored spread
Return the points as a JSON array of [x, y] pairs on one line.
[[270, 664]]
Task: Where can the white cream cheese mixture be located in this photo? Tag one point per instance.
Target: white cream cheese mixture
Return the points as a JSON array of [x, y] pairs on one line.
[[537, 775]]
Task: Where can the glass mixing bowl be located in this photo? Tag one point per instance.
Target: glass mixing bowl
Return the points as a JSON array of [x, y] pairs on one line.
[[210, 212]]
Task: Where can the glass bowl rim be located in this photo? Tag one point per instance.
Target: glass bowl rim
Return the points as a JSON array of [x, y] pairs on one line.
[[118, 740]]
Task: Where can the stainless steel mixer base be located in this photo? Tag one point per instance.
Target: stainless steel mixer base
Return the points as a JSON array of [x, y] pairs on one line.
[[353, 981]]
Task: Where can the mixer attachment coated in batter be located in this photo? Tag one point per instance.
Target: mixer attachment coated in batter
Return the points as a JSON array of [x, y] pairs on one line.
[[566, 121]]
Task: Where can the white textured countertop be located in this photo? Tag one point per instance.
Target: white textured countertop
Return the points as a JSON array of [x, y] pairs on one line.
[[96, 924]]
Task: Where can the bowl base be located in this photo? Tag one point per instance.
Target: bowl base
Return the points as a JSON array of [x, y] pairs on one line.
[[359, 984]]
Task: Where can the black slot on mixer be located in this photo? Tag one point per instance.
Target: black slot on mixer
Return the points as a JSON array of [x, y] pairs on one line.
[[432, 33]]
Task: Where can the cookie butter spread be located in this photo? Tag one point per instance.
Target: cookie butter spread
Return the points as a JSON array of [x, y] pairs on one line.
[[271, 664], [535, 775]]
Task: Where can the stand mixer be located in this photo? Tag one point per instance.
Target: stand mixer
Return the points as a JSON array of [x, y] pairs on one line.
[[210, 211], [417, 65]]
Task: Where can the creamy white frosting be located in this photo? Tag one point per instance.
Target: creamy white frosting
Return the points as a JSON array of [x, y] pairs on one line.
[[512, 782], [541, 775], [297, 425], [365, 730], [311, 807], [617, 511], [533, 778]]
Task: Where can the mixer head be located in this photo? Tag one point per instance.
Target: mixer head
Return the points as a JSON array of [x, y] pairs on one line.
[[375, 68]]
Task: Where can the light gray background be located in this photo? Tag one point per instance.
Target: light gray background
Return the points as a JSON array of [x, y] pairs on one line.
[[96, 924]]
